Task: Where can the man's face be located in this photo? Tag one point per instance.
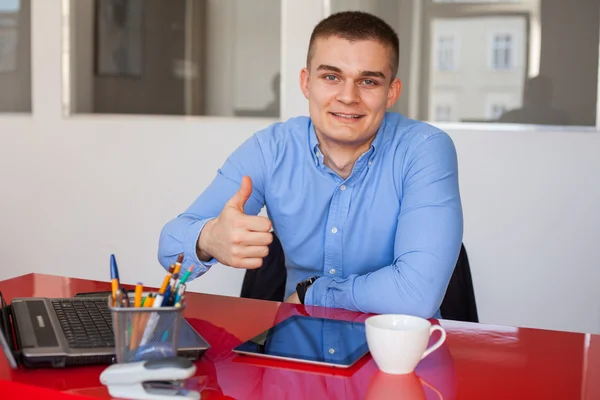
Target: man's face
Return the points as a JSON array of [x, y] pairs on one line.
[[349, 87]]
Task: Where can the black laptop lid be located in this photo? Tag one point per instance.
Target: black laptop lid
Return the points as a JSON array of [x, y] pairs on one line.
[[5, 336]]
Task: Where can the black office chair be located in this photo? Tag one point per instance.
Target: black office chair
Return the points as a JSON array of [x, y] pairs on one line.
[[268, 283]]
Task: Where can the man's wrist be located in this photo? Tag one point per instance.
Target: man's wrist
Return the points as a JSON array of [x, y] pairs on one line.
[[302, 288], [201, 246]]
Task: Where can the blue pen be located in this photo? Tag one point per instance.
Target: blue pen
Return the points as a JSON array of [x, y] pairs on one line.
[[166, 298], [114, 277]]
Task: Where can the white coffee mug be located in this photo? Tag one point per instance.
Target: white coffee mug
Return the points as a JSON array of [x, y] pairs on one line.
[[398, 342]]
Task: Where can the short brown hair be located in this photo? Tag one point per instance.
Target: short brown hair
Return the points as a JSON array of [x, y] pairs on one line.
[[354, 26]]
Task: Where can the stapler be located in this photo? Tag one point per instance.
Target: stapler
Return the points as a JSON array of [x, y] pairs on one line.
[[157, 379]]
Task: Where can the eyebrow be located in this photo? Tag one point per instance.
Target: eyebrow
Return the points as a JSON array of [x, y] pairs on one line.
[[324, 67]]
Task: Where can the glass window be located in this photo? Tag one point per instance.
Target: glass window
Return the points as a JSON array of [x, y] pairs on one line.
[[444, 106], [443, 112], [504, 61], [445, 52], [502, 51], [175, 57], [15, 56]]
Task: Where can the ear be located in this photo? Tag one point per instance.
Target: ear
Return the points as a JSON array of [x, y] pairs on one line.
[[304, 81], [393, 92]]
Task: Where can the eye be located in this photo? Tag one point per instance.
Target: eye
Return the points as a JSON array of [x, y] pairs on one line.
[[330, 77], [370, 82]]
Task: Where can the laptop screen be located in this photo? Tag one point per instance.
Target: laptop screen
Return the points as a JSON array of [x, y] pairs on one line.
[[3, 342]]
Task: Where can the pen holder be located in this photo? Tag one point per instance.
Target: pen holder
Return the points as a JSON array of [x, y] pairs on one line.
[[145, 333]]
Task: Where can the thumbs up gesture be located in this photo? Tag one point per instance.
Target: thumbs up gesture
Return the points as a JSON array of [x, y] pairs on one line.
[[234, 238]]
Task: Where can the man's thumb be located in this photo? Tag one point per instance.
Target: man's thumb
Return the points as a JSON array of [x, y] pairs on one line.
[[239, 199]]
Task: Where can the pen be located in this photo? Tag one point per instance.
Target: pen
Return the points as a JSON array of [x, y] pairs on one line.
[[158, 302], [174, 278], [114, 277], [166, 297], [125, 299], [185, 276], [119, 298], [179, 294]]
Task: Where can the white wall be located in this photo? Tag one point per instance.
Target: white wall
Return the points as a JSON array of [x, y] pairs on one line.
[[76, 189]]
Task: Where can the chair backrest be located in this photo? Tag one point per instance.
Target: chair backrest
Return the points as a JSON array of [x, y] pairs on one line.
[[459, 301], [268, 281]]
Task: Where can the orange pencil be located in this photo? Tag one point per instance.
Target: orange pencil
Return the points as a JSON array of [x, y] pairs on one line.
[[165, 283], [137, 303], [178, 264]]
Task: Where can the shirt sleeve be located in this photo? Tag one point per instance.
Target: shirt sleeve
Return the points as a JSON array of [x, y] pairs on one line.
[[427, 242], [180, 235]]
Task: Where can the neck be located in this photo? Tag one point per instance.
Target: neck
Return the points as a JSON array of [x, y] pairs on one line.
[[341, 158]]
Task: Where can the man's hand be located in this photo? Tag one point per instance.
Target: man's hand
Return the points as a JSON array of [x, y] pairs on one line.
[[234, 238], [294, 299]]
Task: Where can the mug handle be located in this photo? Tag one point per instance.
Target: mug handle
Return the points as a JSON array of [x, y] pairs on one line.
[[438, 343], [426, 384]]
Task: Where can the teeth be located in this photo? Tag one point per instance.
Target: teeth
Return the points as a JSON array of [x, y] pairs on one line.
[[346, 116]]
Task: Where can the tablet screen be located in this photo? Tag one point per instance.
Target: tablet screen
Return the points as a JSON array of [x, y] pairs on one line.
[[313, 340]]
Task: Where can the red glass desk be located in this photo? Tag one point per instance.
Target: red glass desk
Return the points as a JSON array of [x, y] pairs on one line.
[[478, 361]]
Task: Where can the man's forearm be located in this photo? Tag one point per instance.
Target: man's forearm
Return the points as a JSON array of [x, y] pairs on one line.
[[180, 236], [414, 285]]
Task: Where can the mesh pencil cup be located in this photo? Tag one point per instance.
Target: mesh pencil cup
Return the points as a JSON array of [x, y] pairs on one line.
[[145, 333]]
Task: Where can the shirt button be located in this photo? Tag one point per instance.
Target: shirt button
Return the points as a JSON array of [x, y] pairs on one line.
[[334, 230], [343, 187], [370, 162], [331, 351], [332, 271]]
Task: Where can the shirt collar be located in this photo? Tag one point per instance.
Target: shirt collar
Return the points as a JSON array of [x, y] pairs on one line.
[[313, 144], [381, 138]]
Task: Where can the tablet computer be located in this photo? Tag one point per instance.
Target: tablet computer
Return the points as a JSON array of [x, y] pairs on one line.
[[310, 340]]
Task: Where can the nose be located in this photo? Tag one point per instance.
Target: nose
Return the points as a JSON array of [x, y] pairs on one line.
[[348, 93]]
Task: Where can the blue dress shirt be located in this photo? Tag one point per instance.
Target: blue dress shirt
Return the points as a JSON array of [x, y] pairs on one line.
[[384, 240]]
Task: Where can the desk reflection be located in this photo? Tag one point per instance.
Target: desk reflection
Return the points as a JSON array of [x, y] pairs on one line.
[[243, 377], [400, 387]]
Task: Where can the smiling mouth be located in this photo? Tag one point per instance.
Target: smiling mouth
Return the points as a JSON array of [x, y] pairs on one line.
[[349, 117]]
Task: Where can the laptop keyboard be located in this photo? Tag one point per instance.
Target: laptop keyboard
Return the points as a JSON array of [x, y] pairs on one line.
[[86, 323]]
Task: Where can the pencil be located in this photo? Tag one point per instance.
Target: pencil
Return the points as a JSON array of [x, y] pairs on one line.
[[137, 303], [178, 264], [165, 283]]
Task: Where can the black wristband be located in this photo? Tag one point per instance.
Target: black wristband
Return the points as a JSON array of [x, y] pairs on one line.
[[303, 286]]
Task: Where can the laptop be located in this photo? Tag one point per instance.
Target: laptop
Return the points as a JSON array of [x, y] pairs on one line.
[[62, 332]]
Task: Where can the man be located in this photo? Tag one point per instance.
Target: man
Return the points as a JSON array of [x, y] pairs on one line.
[[365, 203]]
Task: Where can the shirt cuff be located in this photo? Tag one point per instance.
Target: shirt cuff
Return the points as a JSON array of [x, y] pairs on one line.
[[332, 292], [317, 292], [190, 241]]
